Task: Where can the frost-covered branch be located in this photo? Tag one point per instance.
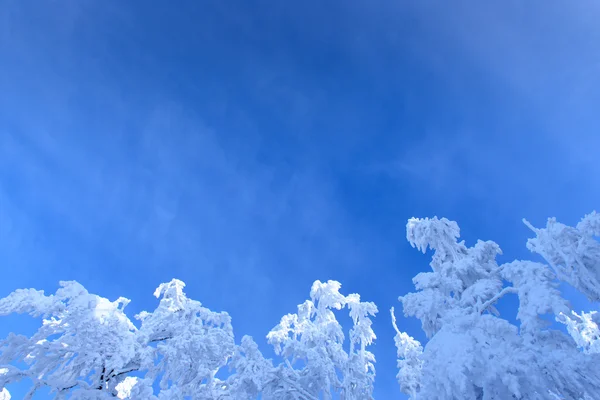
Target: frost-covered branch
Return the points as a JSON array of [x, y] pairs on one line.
[[476, 355], [572, 252], [410, 363], [493, 300], [583, 329], [314, 337], [88, 348]]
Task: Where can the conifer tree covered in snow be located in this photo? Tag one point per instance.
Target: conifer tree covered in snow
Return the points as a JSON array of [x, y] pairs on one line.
[[474, 354], [88, 348]]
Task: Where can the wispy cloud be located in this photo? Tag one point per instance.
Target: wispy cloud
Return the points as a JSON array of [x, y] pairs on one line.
[[528, 133], [120, 173], [170, 194], [228, 148]]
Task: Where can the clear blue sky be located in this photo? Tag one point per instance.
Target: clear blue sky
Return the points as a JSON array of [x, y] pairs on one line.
[[252, 147]]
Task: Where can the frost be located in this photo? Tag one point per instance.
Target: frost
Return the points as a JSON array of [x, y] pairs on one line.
[[472, 353], [410, 362], [313, 337], [573, 253], [87, 348], [584, 330], [124, 388]]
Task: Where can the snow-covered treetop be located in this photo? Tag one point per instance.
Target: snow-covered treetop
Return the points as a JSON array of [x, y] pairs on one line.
[[82, 338], [87, 348], [439, 235], [473, 353], [462, 279], [314, 337], [572, 252]]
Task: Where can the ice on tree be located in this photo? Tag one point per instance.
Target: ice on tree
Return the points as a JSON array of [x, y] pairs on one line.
[[462, 279], [537, 289], [410, 362], [314, 337], [472, 353], [83, 340], [572, 252], [584, 329], [87, 348]]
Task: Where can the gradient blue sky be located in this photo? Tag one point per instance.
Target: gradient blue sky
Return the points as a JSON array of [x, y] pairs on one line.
[[252, 147]]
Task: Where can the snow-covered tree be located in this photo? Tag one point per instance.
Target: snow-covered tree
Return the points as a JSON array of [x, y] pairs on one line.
[[185, 344], [410, 361], [82, 347], [474, 354], [314, 337], [572, 252], [87, 348]]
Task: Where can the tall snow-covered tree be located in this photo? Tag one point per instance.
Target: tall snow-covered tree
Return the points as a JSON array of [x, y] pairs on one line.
[[472, 353]]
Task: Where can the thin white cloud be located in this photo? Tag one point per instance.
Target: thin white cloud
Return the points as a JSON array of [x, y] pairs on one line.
[[541, 57], [537, 65]]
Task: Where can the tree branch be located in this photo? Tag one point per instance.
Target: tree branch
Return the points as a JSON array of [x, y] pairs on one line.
[[160, 339], [497, 297], [125, 372]]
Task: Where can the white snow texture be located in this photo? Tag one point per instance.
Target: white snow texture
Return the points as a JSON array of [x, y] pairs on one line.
[[88, 348]]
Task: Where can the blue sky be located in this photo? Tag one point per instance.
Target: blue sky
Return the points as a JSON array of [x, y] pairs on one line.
[[252, 147]]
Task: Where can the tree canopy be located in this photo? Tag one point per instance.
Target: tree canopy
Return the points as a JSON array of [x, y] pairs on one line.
[[88, 348]]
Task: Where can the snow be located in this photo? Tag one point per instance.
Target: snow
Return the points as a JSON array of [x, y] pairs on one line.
[[473, 353], [88, 348]]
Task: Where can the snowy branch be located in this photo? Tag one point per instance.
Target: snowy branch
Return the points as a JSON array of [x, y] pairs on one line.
[[490, 302]]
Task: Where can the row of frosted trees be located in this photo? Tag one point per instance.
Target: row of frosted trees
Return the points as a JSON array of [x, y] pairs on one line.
[[88, 348]]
